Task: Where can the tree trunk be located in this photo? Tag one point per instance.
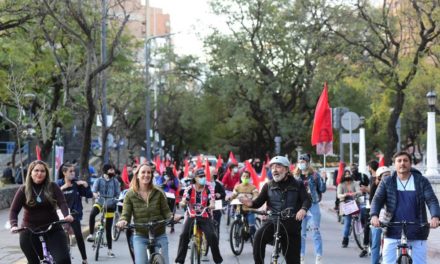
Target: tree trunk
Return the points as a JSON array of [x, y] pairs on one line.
[[391, 127]]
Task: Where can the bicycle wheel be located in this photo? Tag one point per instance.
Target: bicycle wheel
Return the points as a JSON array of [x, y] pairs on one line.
[[358, 232], [228, 215], [195, 254], [115, 230], [205, 246], [257, 223], [98, 241], [157, 258], [236, 239], [404, 259]]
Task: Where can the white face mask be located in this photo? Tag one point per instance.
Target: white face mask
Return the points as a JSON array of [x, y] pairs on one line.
[[235, 170], [302, 166]]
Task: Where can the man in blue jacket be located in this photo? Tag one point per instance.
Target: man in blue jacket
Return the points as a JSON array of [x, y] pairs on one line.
[[406, 194]]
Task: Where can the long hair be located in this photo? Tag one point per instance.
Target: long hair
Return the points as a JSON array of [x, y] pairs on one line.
[[46, 191], [134, 184]]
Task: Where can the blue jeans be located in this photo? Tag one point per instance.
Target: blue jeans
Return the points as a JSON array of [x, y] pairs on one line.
[[375, 244], [419, 251], [314, 217], [347, 225], [251, 221], [140, 244]]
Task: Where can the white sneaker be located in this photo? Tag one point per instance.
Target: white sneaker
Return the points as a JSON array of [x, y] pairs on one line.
[[318, 260], [303, 260], [110, 253], [90, 238]]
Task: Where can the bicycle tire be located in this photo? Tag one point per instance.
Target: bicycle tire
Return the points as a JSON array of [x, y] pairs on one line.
[[236, 239], [115, 230], [358, 234], [228, 215], [195, 254], [205, 246], [157, 258], [98, 244], [257, 223], [404, 259]]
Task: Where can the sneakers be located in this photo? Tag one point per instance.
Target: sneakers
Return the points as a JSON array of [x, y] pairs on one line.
[[318, 260], [110, 254], [303, 260], [364, 253], [90, 238], [345, 242], [172, 230]]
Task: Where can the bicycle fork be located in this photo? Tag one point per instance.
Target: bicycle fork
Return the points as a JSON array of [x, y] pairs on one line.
[[276, 237], [46, 255]]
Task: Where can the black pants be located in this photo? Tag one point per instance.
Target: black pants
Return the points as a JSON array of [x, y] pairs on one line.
[[56, 243], [366, 224], [217, 214], [172, 205], [290, 241], [76, 227], [108, 225], [208, 229]]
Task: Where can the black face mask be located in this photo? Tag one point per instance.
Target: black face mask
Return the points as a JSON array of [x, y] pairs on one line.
[[111, 174]]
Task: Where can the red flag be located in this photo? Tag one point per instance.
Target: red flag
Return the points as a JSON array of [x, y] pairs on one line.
[[38, 152], [340, 172], [186, 169], [219, 162], [267, 159], [199, 162], [232, 158], [174, 169], [322, 132], [254, 176], [158, 162], [167, 162], [136, 160], [207, 171], [292, 167], [263, 176], [124, 176]]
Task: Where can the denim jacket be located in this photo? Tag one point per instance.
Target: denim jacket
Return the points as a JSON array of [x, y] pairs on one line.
[[315, 186]]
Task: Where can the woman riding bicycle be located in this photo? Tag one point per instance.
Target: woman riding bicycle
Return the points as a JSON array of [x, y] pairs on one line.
[[73, 189], [105, 187], [198, 196], [247, 190], [281, 193], [40, 199], [347, 190], [145, 203]]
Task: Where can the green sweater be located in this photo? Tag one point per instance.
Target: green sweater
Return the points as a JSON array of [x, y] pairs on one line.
[[156, 208]]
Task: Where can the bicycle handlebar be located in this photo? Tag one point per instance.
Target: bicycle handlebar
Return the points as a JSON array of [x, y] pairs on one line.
[[285, 213], [49, 227], [197, 214], [402, 223], [152, 224]]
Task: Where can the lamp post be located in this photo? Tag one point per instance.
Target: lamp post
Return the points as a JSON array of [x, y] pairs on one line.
[[362, 149], [57, 142], [431, 144]]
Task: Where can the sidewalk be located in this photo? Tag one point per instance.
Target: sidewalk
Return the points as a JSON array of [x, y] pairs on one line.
[[434, 235]]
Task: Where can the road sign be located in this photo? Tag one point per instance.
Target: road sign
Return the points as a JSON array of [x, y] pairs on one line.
[[350, 121], [345, 138]]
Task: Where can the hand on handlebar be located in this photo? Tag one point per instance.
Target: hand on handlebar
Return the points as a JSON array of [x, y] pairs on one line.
[[14, 229], [375, 221], [69, 218], [246, 201], [121, 224]]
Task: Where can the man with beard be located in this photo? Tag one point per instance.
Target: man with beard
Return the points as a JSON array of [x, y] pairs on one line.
[[105, 188], [281, 193]]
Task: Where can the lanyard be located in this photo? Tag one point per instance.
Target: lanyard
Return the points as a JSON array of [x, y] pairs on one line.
[[404, 186]]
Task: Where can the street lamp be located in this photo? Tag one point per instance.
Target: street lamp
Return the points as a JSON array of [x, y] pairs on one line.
[[431, 148], [57, 142], [147, 85], [362, 148]]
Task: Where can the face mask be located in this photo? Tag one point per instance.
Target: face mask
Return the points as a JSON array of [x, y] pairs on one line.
[[166, 178], [71, 177], [235, 170], [279, 177], [111, 174], [202, 181], [245, 180], [302, 166]]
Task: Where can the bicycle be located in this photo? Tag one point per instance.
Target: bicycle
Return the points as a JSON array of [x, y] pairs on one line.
[[357, 229], [404, 251], [47, 257], [240, 230], [116, 231], [284, 214], [199, 244], [154, 256], [99, 235]]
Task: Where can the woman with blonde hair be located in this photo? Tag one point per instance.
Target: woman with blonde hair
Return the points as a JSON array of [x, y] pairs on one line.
[[145, 203]]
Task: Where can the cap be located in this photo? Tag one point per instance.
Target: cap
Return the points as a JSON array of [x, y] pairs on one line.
[[305, 157], [280, 160], [382, 170], [200, 172]]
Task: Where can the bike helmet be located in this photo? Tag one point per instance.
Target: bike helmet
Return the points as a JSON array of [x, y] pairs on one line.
[[382, 170]]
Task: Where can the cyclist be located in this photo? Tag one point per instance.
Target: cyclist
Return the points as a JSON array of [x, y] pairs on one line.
[[231, 177], [315, 186], [40, 198], [406, 195], [199, 195], [73, 189], [376, 233], [106, 186], [347, 190], [280, 193], [247, 190], [145, 202]]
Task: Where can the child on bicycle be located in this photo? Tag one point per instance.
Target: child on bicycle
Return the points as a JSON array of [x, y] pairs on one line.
[[197, 196], [247, 190], [40, 199]]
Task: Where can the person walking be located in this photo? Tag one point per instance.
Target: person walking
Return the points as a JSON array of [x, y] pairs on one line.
[[280, 193], [315, 186], [144, 203], [406, 194], [40, 198], [73, 189], [220, 195]]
